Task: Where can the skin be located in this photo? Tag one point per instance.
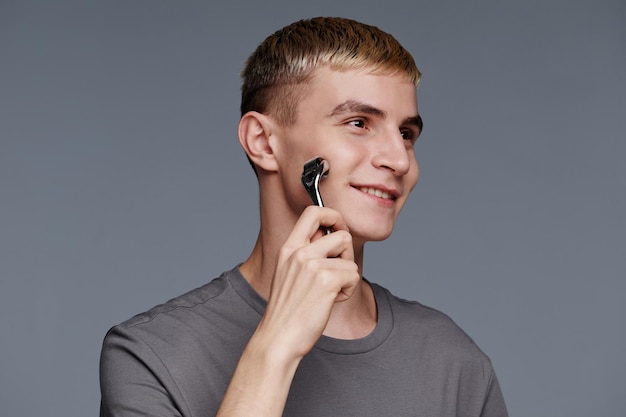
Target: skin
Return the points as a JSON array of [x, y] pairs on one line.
[[365, 126]]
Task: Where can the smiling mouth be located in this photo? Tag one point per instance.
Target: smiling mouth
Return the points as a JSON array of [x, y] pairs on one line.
[[376, 192]]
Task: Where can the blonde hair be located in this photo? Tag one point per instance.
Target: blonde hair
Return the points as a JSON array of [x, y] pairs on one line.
[[275, 76]]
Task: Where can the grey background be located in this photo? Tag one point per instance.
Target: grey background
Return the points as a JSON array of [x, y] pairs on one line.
[[122, 183]]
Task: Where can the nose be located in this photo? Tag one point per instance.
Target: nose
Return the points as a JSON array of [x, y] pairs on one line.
[[392, 153]]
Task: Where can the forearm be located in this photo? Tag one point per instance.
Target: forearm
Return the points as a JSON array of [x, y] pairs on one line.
[[261, 381]]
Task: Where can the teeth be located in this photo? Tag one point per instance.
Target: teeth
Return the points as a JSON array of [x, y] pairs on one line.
[[377, 193]]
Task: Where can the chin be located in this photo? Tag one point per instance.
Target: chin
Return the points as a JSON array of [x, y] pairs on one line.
[[370, 235], [380, 238]]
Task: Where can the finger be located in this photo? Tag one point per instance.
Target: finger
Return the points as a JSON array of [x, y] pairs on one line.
[[343, 277], [311, 220], [334, 245]]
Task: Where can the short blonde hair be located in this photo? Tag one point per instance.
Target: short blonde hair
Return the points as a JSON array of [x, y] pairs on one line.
[[276, 74]]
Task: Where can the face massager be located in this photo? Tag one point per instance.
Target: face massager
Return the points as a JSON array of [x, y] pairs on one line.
[[314, 171]]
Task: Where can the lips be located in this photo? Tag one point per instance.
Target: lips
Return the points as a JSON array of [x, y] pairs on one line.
[[378, 192]]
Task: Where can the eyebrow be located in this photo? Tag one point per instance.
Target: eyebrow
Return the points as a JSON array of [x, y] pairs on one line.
[[354, 106], [415, 121]]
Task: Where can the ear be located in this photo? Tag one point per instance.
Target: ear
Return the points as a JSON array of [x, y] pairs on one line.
[[255, 130]]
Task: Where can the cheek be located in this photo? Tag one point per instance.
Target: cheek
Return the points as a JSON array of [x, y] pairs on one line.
[[413, 176], [349, 159]]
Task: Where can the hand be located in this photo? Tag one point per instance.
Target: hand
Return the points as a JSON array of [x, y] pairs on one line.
[[313, 271]]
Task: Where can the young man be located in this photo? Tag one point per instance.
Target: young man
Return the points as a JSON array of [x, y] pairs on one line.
[[295, 330]]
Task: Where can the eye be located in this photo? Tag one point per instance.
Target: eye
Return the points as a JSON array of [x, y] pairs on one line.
[[409, 134], [360, 123]]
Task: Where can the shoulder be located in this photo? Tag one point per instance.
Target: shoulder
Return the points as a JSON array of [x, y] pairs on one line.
[[209, 322], [158, 351], [432, 330], [192, 299], [179, 314], [415, 313]]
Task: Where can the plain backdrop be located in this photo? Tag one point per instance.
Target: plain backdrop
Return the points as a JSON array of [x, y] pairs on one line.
[[122, 183]]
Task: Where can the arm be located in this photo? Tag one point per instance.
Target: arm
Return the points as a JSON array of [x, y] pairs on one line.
[[313, 272]]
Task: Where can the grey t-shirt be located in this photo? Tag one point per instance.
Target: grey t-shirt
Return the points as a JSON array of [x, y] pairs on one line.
[[177, 360]]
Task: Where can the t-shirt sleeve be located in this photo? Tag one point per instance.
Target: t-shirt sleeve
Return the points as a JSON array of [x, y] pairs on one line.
[[494, 405], [133, 380]]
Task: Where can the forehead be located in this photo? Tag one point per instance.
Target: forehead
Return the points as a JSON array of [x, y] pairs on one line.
[[328, 89]]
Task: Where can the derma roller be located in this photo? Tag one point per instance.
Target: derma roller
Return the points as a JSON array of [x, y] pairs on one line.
[[314, 171]]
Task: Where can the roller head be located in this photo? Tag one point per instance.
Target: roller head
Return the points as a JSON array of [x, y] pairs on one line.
[[314, 170]]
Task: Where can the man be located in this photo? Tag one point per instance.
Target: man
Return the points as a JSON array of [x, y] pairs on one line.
[[295, 330]]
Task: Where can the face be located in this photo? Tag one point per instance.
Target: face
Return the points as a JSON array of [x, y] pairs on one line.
[[365, 126]]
